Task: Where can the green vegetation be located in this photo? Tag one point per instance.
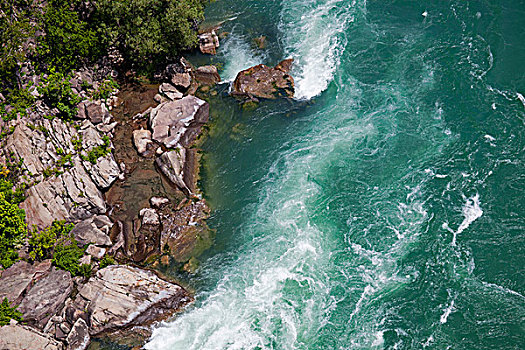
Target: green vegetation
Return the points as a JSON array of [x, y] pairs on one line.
[[57, 92], [99, 151], [105, 89], [107, 261], [66, 257], [7, 313], [12, 230]]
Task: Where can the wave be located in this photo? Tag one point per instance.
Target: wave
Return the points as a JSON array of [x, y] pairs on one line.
[[238, 55], [314, 35]]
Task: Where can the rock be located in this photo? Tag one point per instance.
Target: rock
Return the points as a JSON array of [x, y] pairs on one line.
[[172, 165], [96, 252], [260, 41], [207, 75], [124, 296], [181, 80], [165, 260], [96, 111], [170, 91], [149, 217], [85, 260], [19, 278], [81, 114], [158, 202], [46, 297], [160, 99], [87, 232], [141, 140], [19, 337], [264, 82], [185, 231], [78, 338], [209, 42], [179, 121]]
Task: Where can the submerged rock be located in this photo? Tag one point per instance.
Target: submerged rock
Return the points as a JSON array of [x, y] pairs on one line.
[[264, 82]]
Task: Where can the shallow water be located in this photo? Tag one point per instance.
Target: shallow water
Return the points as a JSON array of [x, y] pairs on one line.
[[383, 208]]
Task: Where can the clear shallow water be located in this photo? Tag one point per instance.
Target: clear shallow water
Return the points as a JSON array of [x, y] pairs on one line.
[[384, 207]]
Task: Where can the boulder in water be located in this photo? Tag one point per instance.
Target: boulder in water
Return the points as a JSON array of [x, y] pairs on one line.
[[262, 81]]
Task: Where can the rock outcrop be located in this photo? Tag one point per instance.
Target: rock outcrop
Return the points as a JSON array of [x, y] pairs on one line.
[[122, 296], [19, 337], [264, 82]]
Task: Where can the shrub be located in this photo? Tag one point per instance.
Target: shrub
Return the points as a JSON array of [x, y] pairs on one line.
[[12, 230], [57, 92], [7, 313], [66, 257], [42, 244], [99, 151], [105, 89], [107, 261]]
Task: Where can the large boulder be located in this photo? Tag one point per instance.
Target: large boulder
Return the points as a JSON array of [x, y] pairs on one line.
[[172, 166], [264, 82], [19, 337], [93, 231], [122, 296], [179, 122], [19, 278], [46, 297], [207, 75]]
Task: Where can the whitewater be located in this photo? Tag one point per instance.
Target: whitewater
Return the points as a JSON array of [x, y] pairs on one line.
[[371, 211]]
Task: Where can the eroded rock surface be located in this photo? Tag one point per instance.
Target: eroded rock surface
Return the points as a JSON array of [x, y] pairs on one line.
[[119, 296], [264, 82], [19, 337], [19, 278]]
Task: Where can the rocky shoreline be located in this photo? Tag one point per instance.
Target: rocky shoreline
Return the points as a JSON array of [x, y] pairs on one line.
[[123, 173]]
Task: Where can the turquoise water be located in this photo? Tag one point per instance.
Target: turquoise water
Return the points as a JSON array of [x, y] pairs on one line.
[[384, 207]]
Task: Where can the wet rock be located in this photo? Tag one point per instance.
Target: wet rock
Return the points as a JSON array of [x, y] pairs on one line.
[[179, 121], [141, 140], [87, 231], [264, 82], [121, 296], [19, 278], [184, 231], [149, 217], [207, 75], [46, 297], [19, 337], [78, 338], [170, 91], [260, 41], [209, 42]]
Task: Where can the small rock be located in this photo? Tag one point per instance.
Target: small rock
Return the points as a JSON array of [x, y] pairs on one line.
[[181, 80], [78, 338], [141, 140], [207, 75], [87, 232], [149, 217], [158, 202], [85, 260], [96, 252], [165, 260], [96, 112], [170, 91], [209, 42], [260, 41]]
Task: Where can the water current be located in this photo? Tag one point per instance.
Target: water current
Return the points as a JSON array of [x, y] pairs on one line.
[[383, 207]]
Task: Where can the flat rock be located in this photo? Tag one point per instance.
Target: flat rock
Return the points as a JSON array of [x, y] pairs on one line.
[[179, 121], [264, 82], [19, 337], [96, 111], [122, 296], [19, 278], [46, 297], [170, 91], [87, 232]]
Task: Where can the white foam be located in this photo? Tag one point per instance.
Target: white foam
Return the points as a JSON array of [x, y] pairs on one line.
[[521, 98], [314, 37], [446, 312], [239, 55], [471, 212]]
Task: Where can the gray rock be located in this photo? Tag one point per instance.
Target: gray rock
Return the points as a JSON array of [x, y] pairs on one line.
[[46, 297], [19, 337], [207, 75], [141, 140], [85, 260], [179, 121], [87, 232], [78, 338], [96, 111], [149, 217], [121, 296], [172, 165], [181, 80], [96, 252], [170, 91], [158, 202], [19, 278]]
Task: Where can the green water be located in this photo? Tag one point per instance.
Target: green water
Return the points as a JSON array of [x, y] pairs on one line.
[[385, 206]]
